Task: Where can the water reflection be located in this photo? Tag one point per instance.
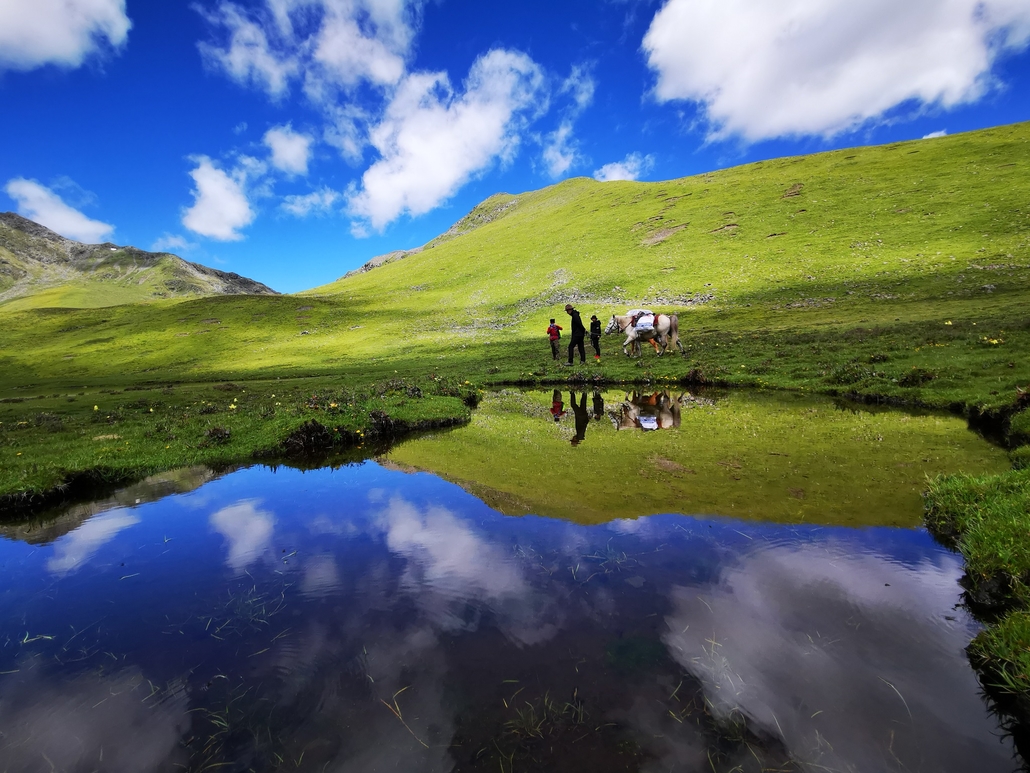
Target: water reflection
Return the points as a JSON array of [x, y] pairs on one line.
[[582, 417], [658, 410], [772, 457], [371, 619], [247, 531]]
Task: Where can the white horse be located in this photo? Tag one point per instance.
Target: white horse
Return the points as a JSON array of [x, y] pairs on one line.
[[666, 331]]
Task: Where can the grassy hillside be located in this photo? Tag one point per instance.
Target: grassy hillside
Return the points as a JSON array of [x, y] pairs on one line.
[[42, 269], [900, 271]]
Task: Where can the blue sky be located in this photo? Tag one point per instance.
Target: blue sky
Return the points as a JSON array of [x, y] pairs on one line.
[[292, 140]]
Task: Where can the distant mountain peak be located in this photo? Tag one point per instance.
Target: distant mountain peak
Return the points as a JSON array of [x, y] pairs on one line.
[[35, 259]]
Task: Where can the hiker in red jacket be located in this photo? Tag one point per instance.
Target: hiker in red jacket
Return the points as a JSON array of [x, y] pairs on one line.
[[554, 333]]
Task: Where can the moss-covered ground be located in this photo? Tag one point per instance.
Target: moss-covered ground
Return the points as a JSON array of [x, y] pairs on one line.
[[52, 443]]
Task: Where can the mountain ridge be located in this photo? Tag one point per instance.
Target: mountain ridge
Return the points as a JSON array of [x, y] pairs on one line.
[[39, 267]]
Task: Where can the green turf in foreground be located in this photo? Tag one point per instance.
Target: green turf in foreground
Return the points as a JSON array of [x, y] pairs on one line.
[[117, 435], [988, 519]]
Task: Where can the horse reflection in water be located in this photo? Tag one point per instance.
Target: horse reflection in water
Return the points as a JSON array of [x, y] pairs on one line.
[[650, 412]]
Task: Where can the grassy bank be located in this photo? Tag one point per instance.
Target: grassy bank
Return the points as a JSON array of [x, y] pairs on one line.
[[58, 445], [987, 518]]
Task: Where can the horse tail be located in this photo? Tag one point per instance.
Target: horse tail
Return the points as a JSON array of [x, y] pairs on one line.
[[674, 330]]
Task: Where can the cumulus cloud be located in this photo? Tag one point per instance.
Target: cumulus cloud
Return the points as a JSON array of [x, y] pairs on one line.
[[936, 134], [630, 168], [345, 130], [167, 242], [431, 140], [60, 32], [39, 203], [220, 206], [246, 529], [324, 44], [318, 202], [820, 67], [74, 550], [561, 150], [290, 150]]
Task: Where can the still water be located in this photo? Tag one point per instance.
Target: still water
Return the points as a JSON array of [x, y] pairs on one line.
[[374, 617]]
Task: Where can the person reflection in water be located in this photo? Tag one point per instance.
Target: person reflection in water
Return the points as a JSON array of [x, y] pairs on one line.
[[598, 406], [557, 406], [582, 417]]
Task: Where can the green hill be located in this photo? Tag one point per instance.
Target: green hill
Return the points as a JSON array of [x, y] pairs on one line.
[[40, 269], [899, 271]]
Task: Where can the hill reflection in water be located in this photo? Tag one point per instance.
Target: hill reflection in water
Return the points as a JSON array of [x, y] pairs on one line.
[[757, 456]]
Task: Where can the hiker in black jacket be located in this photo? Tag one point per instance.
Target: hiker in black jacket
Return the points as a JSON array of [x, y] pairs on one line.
[[595, 336], [578, 333]]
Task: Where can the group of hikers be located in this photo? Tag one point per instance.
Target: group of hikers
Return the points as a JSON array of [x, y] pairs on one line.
[[577, 336], [643, 321]]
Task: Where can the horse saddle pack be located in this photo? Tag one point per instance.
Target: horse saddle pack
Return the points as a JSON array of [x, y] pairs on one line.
[[645, 322]]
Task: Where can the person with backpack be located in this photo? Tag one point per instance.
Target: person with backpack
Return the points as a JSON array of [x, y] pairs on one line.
[[578, 334], [554, 333]]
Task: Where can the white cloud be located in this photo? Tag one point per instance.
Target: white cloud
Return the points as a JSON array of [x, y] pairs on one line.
[[290, 150], [39, 203], [561, 150], [820, 67], [581, 86], [348, 54], [432, 141], [248, 56], [345, 130], [220, 205], [317, 202], [247, 530], [630, 168], [325, 44], [936, 134], [61, 32], [74, 550], [167, 242]]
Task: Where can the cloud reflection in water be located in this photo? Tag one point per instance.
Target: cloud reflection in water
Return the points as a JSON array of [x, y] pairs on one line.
[[75, 549], [844, 655], [247, 530]]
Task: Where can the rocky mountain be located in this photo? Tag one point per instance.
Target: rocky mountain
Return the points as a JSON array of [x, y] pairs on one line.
[[41, 268]]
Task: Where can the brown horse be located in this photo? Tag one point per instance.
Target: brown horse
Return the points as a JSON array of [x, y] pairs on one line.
[[666, 331]]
